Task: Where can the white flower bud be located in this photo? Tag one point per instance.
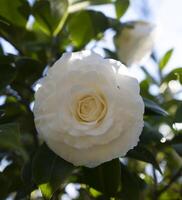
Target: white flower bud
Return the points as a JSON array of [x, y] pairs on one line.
[[135, 41]]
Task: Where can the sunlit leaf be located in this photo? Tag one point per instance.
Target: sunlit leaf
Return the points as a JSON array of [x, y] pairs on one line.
[[16, 11], [51, 15], [173, 75], [164, 61], [92, 24], [121, 6]]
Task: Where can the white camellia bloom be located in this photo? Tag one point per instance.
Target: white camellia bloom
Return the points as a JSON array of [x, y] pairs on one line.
[[135, 41], [86, 111]]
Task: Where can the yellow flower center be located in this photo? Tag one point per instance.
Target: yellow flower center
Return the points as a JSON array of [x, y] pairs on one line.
[[91, 108]]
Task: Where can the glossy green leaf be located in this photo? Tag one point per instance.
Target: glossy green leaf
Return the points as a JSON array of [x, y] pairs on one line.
[[150, 135], [12, 180], [16, 11], [10, 136], [92, 24], [120, 7], [50, 15], [91, 2], [28, 70], [10, 139], [104, 178], [7, 75], [178, 148], [178, 114], [177, 139], [151, 108], [143, 154], [164, 61], [49, 171], [175, 74], [132, 184]]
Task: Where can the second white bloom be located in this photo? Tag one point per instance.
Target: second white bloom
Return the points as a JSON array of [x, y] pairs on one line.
[[135, 41]]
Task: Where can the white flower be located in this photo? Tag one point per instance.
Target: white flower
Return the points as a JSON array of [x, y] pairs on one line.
[[135, 41], [86, 111]]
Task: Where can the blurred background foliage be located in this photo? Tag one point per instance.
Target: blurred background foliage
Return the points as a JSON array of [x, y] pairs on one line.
[[41, 31]]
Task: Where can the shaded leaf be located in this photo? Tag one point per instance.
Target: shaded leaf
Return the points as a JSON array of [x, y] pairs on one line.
[[7, 75], [28, 70], [178, 148], [4, 182], [151, 108], [178, 114], [9, 136], [49, 171], [173, 75], [150, 135], [12, 109], [177, 139], [143, 154], [11, 178], [120, 7], [164, 61], [132, 184], [104, 178]]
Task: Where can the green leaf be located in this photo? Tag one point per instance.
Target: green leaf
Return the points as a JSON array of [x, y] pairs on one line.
[[104, 178], [151, 108], [177, 139], [16, 11], [49, 170], [91, 2], [173, 75], [11, 178], [178, 148], [92, 25], [4, 182], [50, 15], [120, 7], [178, 114], [28, 70], [132, 184], [143, 154], [150, 135], [7, 75], [10, 136], [12, 110], [10, 139], [164, 61]]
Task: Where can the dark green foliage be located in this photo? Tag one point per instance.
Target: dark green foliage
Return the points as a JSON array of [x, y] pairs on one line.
[[49, 171], [59, 25]]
